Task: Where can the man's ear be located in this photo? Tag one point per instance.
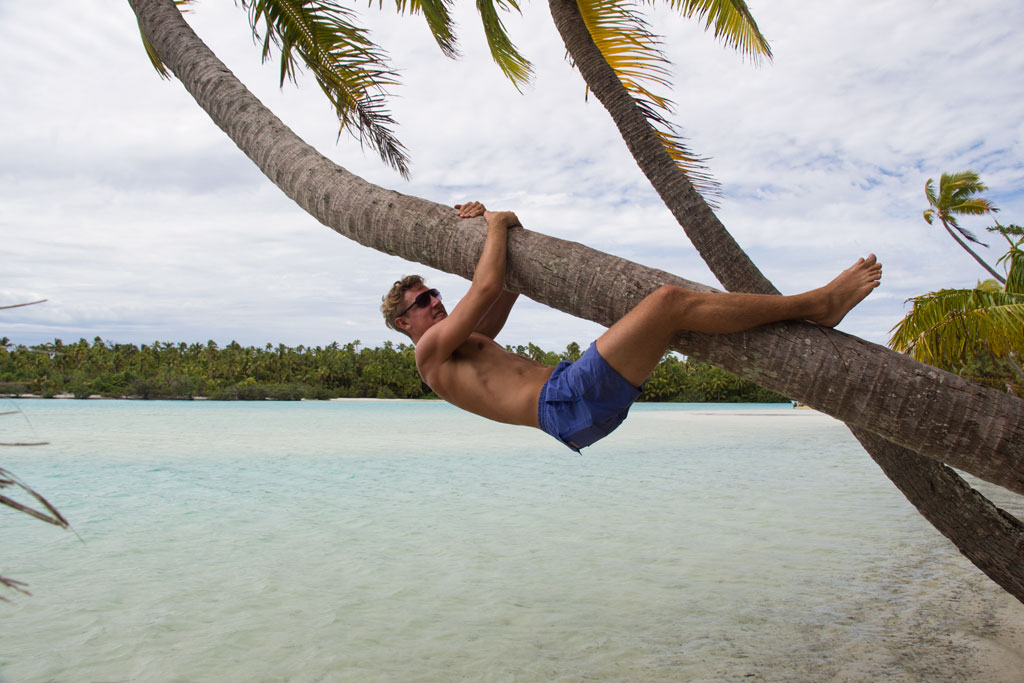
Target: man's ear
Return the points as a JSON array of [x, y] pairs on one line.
[[402, 324]]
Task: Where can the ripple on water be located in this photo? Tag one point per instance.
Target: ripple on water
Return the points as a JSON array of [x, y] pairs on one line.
[[299, 542]]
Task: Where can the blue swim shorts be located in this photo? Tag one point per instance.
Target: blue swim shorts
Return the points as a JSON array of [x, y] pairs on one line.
[[584, 401]]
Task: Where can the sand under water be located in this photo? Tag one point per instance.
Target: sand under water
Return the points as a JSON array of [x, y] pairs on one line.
[[408, 541]]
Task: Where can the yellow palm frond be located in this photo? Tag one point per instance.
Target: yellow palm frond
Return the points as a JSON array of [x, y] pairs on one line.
[[622, 34], [943, 327], [733, 23], [154, 58]]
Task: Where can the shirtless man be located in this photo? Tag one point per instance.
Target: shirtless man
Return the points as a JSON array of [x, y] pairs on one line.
[[579, 403]]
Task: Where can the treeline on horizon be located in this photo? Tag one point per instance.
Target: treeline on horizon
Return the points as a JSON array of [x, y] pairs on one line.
[[164, 370]]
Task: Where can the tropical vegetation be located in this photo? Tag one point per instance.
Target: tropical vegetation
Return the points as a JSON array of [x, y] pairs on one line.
[[977, 332], [236, 372]]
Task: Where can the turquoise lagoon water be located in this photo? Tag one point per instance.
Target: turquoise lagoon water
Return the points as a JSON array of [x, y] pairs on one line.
[[409, 541]]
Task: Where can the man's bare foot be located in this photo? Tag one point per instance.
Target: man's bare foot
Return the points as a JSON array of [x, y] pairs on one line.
[[849, 289]]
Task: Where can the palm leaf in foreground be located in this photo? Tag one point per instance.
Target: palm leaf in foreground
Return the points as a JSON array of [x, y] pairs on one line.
[[623, 36], [734, 24], [438, 18], [51, 516], [350, 69], [515, 67], [626, 42]]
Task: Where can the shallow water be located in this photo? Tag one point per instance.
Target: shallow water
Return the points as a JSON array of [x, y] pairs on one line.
[[409, 541]]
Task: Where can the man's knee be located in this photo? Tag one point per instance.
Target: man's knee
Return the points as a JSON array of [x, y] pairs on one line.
[[672, 297]]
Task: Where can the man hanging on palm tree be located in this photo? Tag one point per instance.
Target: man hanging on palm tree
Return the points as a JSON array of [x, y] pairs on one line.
[[581, 402]]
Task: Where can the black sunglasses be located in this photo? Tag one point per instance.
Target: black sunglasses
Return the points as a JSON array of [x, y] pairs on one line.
[[422, 300]]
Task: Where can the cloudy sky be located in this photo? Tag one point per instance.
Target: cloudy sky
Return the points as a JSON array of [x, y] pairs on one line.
[[138, 220]]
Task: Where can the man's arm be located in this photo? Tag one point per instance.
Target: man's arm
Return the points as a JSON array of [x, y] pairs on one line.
[[496, 316], [440, 341]]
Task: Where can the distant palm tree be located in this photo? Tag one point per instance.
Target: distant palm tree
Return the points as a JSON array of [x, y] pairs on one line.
[[957, 197]]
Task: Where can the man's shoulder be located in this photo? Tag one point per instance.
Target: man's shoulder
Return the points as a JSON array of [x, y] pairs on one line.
[[429, 354]]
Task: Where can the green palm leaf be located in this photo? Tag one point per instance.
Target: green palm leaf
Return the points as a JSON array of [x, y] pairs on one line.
[[733, 23], [515, 67], [625, 40], [1015, 278], [438, 18], [350, 69], [1014, 257], [956, 197], [943, 327]]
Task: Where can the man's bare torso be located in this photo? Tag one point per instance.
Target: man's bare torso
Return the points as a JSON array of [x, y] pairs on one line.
[[484, 378]]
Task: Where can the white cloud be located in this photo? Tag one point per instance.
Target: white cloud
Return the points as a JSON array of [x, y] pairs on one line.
[[139, 220]]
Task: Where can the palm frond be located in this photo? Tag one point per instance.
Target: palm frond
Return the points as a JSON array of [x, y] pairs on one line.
[[439, 21], [989, 285], [1007, 230], [624, 38], [349, 67], [957, 194], [514, 65], [974, 206], [964, 183], [154, 58], [734, 24], [51, 515], [943, 327], [929, 192], [14, 585], [1015, 274], [968, 235]]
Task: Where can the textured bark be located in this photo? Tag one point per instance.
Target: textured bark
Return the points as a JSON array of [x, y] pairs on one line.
[[716, 246], [935, 413], [988, 536]]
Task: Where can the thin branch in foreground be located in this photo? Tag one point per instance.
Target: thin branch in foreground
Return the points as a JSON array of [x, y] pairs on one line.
[[30, 303], [13, 585], [55, 518]]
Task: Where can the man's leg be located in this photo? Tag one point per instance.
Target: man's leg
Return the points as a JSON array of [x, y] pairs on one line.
[[635, 344]]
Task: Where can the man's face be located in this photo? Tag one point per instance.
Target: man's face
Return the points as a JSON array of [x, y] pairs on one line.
[[421, 319]]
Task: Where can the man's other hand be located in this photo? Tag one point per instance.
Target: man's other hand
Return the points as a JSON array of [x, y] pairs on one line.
[[470, 209]]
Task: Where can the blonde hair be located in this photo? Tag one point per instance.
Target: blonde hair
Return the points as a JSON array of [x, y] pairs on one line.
[[395, 298]]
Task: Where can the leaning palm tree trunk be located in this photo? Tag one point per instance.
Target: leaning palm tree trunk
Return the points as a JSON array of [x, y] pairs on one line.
[[992, 271], [989, 537], [935, 413]]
